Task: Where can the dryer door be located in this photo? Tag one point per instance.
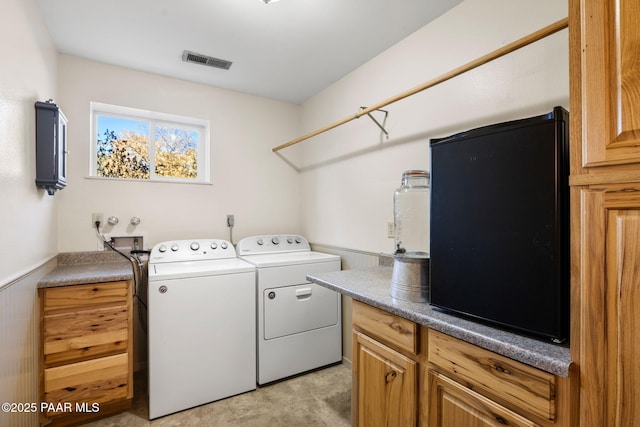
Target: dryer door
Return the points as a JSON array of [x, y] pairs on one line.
[[294, 309]]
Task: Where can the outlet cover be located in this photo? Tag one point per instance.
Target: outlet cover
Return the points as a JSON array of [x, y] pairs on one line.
[[96, 217]]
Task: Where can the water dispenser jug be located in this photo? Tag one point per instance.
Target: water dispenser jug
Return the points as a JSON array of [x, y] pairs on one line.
[[410, 279]]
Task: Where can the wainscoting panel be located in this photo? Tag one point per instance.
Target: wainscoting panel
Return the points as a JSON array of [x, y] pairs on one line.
[[351, 259], [19, 336]]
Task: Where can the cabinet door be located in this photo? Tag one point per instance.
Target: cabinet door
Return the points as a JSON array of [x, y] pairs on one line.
[[610, 295], [385, 385], [453, 405], [610, 48]]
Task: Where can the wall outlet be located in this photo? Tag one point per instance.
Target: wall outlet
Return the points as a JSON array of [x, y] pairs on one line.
[[391, 232], [96, 217], [230, 220]]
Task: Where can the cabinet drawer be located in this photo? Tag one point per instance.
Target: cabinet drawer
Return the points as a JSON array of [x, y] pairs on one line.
[[451, 403], [395, 331], [72, 297], [497, 376], [101, 380], [86, 333]]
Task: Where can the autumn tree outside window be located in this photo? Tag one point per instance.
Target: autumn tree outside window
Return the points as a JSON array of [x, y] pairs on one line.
[[129, 143]]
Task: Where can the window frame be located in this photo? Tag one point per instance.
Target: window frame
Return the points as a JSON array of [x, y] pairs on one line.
[[155, 119]]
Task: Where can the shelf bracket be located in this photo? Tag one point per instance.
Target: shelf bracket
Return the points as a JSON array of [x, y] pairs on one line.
[[386, 113]]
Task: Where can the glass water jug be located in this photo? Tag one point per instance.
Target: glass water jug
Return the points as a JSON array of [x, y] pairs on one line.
[[411, 214]]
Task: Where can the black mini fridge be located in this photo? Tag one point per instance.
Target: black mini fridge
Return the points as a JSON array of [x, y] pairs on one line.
[[500, 225]]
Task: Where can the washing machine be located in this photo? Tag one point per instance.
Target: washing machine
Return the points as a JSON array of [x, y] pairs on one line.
[[299, 325], [201, 324]]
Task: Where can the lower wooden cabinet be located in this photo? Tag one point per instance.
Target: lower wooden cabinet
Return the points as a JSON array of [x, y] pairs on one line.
[[405, 374], [453, 404], [386, 391], [86, 363], [500, 378]]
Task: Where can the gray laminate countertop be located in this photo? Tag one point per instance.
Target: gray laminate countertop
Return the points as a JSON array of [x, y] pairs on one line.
[[371, 286], [75, 268]]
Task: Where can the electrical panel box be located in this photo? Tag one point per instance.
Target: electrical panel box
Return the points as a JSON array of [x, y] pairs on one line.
[[51, 147]]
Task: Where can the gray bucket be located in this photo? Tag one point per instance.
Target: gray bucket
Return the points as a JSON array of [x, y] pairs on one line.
[[410, 277]]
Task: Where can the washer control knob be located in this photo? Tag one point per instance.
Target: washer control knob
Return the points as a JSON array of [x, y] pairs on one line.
[[174, 247], [224, 245], [214, 245], [260, 242], [298, 240], [290, 240], [275, 241], [194, 246], [162, 249]]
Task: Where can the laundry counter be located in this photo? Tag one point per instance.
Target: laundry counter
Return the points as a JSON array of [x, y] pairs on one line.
[[371, 286], [76, 268]]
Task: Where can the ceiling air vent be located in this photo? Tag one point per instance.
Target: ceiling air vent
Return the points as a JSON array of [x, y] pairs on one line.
[[196, 58]]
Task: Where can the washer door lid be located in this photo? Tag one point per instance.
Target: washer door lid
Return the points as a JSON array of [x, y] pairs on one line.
[[178, 270]]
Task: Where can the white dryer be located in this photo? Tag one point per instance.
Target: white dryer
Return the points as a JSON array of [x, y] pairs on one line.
[[201, 324], [299, 324]]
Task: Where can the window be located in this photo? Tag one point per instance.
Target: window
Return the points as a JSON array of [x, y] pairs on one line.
[[129, 143]]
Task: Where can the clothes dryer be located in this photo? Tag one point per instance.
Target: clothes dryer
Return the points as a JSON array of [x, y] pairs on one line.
[[299, 325]]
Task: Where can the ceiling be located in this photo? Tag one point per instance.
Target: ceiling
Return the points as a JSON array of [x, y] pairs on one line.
[[287, 50]]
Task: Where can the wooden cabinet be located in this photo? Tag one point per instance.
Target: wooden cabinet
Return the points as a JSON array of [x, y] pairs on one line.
[[405, 374], [452, 404], [610, 296], [604, 38], [468, 384], [86, 364], [610, 84], [386, 368], [387, 387]]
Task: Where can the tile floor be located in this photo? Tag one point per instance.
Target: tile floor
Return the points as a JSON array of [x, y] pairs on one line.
[[317, 399]]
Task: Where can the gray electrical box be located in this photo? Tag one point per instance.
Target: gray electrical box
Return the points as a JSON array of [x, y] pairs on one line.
[[51, 147]]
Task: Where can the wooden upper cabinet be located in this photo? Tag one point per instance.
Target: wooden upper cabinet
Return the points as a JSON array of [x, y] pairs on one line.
[[610, 85]]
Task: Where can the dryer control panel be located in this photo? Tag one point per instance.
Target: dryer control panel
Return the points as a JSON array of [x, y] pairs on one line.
[[272, 243]]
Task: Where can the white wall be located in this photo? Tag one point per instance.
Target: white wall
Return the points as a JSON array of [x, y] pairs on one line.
[[249, 181], [349, 173], [27, 75]]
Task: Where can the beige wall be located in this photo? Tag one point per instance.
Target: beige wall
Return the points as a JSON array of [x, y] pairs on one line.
[[249, 181], [27, 75], [350, 173]]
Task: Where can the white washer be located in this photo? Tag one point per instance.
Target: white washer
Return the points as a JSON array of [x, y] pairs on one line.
[[299, 323], [202, 317]]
